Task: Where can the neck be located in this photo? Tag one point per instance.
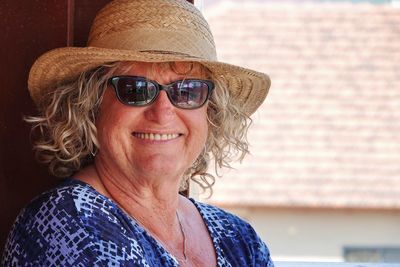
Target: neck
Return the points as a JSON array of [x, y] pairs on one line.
[[159, 209], [153, 201]]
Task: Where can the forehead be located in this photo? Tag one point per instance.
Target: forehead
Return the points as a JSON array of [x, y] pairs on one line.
[[160, 70]]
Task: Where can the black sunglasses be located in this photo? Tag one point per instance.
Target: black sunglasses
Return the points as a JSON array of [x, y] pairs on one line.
[[139, 91]]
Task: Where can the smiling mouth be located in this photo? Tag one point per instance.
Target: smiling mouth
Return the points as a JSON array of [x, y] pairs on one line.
[[155, 136]]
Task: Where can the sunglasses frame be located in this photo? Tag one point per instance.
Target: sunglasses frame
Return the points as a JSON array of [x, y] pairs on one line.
[[159, 87]]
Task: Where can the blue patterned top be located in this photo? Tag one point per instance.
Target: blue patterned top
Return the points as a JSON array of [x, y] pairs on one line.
[[74, 225]]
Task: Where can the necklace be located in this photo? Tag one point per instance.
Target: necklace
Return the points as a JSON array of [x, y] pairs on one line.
[[183, 236], [159, 241]]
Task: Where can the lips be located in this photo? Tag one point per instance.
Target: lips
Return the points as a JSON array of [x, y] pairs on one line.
[[156, 136]]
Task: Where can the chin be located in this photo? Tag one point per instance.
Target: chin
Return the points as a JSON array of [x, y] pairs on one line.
[[163, 165]]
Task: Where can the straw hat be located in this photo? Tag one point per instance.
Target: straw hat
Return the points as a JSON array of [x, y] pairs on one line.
[[149, 31]]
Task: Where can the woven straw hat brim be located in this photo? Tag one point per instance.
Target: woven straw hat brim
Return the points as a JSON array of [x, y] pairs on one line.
[[248, 87]]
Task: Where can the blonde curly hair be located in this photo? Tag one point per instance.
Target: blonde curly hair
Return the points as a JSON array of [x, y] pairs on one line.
[[67, 133]]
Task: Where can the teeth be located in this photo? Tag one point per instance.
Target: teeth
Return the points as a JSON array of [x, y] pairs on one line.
[[155, 136]]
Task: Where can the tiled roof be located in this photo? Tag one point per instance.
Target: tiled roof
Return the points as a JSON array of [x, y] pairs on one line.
[[329, 133]]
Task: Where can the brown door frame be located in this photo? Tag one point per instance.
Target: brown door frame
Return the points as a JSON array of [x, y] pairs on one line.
[[29, 28]]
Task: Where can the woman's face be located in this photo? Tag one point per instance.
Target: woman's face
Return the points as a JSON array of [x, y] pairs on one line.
[[153, 141]]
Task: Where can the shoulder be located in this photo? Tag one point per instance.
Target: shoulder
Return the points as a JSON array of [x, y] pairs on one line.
[[70, 201], [44, 211], [237, 239], [51, 230], [226, 220]]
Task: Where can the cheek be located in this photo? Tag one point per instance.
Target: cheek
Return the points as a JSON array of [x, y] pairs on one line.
[[109, 122], [204, 130], [106, 130], [200, 124]]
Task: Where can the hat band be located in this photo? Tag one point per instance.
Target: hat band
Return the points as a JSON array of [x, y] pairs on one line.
[[163, 52], [161, 41]]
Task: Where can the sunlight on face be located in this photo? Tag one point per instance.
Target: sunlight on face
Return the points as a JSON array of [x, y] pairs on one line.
[[155, 140]]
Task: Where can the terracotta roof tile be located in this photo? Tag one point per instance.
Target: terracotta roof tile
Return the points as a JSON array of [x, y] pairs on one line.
[[329, 132]]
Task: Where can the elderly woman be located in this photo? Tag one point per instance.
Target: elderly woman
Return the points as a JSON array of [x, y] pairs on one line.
[[131, 119]]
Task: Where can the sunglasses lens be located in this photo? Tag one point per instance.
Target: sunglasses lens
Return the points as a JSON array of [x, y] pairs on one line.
[[138, 91], [135, 91], [189, 94]]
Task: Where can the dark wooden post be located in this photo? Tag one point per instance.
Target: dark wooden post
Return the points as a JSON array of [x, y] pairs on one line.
[[28, 32]]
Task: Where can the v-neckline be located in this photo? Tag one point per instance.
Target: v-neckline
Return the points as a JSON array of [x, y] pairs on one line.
[[215, 240]]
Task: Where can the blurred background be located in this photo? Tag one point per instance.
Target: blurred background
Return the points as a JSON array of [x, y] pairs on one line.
[[323, 180]]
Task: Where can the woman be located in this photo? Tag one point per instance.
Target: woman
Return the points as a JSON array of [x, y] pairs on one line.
[[131, 119]]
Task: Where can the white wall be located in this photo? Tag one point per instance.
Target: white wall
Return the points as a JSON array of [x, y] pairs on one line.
[[320, 235]]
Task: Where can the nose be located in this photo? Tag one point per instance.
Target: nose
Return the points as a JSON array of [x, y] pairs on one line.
[[161, 110]]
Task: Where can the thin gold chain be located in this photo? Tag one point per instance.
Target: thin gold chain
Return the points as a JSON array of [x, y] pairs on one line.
[[155, 237], [183, 235]]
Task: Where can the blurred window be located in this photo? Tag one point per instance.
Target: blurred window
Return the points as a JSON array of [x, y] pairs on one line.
[[372, 254]]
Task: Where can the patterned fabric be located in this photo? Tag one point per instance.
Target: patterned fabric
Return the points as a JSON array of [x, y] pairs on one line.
[[74, 225]]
